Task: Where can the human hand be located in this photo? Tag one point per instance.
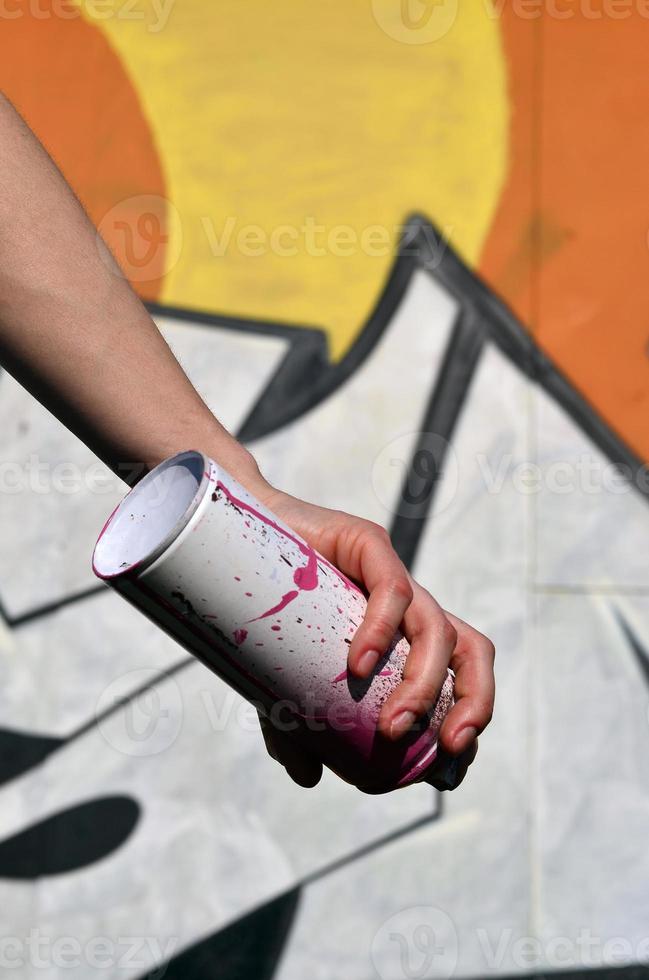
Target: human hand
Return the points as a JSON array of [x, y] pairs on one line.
[[438, 640]]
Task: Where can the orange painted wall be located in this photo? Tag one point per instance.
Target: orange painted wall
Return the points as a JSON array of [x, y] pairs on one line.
[[569, 249]]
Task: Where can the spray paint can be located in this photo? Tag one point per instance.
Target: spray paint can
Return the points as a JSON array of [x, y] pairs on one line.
[[198, 555]]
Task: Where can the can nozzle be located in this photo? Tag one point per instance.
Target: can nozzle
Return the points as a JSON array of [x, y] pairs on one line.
[[443, 773]]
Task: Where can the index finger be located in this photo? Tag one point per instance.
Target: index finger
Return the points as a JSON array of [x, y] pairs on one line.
[[390, 594]]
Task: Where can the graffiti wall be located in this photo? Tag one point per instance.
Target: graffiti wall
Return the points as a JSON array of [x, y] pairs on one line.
[[401, 250]]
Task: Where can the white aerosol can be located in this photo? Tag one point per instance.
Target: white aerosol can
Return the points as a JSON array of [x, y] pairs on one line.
[[245, 594]]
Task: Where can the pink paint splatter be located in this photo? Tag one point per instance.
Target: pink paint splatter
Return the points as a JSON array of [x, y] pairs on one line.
[[386, 672], [284, 601], [239, 636], [306, 578]]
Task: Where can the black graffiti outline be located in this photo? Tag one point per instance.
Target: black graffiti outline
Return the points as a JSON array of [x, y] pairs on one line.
[[305, 377]]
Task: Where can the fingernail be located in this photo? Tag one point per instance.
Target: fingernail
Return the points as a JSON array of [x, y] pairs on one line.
[[368, 662], [402, 723], [463, 740]]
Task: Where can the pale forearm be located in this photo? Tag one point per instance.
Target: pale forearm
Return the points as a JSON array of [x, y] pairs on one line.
[[73, 332]]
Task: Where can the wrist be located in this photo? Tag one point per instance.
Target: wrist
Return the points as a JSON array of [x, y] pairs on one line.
[[236, 460], [242, 465], [211, 438]]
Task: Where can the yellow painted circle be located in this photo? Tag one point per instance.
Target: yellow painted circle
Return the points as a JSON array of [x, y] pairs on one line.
[[296, 138]]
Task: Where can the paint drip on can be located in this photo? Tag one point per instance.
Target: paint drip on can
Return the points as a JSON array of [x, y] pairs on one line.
[[223, 575]]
